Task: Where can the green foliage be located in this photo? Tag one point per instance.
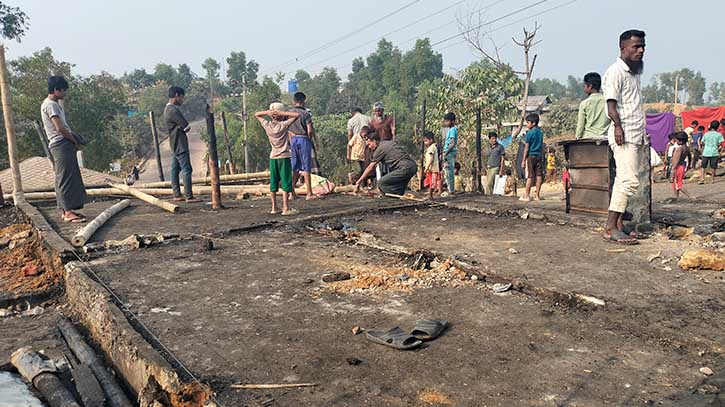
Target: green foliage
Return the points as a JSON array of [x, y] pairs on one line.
[[138, 79], [238, 68], [332, 135], [662, 87], [480, 85], [13, 22], [320, 90], [559, 121], [716, 94], [166, 73]]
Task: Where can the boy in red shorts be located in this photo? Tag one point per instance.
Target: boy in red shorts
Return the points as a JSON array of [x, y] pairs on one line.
[[679, 166]]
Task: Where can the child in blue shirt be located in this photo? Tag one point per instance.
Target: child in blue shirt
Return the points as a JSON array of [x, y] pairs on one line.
[[533, 157], [450, 151]]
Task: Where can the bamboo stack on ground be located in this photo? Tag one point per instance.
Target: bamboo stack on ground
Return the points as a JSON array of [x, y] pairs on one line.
[[259, 190], [85, 234], [206, 180], [147, 198]]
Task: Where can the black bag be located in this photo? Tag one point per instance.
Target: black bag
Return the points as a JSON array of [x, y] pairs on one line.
[[79, 139]]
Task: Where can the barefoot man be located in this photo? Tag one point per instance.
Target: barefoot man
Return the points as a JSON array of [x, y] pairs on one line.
[[623, 93]]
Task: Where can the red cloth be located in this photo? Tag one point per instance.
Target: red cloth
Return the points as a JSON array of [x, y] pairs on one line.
[[566, 179], [703, 115], [679, 177], [431, 179]]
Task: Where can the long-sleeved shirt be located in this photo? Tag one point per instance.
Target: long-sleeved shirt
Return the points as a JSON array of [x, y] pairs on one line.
[[593, 121]]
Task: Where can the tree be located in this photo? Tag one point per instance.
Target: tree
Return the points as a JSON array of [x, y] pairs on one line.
[[166, 73], [548, 87], [184, 76], [239, 68], [13, 22], [211, 67], [716, 94], [321, 90], [575, 88], [138, 79], [691, 87]]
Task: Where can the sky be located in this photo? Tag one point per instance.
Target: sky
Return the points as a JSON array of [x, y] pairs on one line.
[[576, 37]]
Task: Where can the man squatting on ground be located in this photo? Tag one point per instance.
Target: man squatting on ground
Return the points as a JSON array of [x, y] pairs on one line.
[[280, 166], [303, 135], [177, 126], [401, 167], [622, 89], [69, 188]]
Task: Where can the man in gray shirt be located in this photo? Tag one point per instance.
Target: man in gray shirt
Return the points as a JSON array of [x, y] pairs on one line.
[[495, 163], [401, 166], [69, 189], [177, 127]]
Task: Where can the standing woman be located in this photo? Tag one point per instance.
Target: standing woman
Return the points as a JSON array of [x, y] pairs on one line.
[[69, 189]]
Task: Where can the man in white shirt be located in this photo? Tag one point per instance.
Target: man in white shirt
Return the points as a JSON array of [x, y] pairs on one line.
[[622, 90]]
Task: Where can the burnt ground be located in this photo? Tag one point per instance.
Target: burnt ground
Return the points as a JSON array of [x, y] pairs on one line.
[[256, 311]]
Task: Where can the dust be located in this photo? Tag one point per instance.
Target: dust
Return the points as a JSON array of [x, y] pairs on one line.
[[370, 279], [434, 397], [26, 256], [190, 395]]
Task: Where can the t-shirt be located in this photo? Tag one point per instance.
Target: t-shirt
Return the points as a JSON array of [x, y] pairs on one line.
[[278, 134], [696, 139], [535, 139], [431, 158], [384, 127], [689, 131], [458, 183], [451, 140], [176, 123], [357, 143], [494, 156], [357, 147], [49, 109], [684, 154], [299, 127], [357, 122], [550, 162], [671, 150], [392, 154], [711, 140]]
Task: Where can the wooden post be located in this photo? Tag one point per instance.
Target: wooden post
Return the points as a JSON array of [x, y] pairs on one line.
[[37, 371], [85, 234], [114, 394], [422, 146], [168, 206], [245, 118], [478, 167], [10, 129], [216, 194], [226, 142], [156, 145]]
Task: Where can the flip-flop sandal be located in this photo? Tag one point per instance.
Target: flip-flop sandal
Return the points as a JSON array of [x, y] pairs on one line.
[[395, 338], [620, 238], [627, 230], [428, 329], [75, 220], [290, 212]]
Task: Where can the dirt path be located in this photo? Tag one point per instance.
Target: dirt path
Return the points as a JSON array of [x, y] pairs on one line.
[[197, 149]]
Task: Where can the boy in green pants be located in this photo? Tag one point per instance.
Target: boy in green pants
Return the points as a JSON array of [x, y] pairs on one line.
[[280, 166]]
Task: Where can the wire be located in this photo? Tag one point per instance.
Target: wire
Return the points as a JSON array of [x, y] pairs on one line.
[[490, 22], [126, 309], [402, 28], [515, 22], [346, 36]]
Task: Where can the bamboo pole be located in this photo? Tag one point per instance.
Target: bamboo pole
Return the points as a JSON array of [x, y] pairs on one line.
[[10, 129], [155, 135], [167, 206], [115, 395], [272, 386], [228, 146], [216, 194], [35, 370], [262, 189], [206, 180], [85, 234]]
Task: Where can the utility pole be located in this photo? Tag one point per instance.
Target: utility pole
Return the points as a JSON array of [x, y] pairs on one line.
[[245, 117], [226, 143], [675, 110], [422, 147], [156, 145], [216, 195], [479, 164], [18, 196]]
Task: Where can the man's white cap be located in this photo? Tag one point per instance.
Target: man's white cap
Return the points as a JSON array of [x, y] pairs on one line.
[[277, 107]]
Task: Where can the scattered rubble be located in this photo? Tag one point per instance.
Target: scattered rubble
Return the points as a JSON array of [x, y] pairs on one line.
[[706, 371], [703, 259]]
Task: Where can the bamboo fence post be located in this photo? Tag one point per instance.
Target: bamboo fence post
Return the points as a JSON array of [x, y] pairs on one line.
[[10, 129], [167, 206]]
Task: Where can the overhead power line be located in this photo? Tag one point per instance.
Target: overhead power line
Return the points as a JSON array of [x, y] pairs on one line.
[[342, 38], [522, 9]]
